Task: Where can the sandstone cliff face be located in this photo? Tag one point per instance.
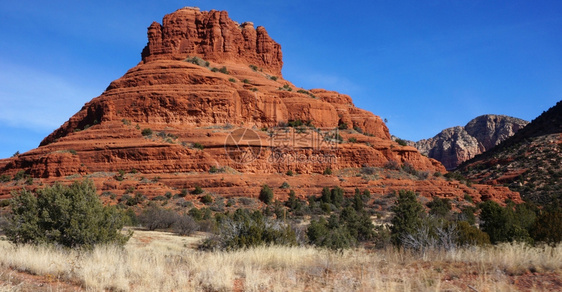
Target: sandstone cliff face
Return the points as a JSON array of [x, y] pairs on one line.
[[213, 36], [455, 145], [176, 118]]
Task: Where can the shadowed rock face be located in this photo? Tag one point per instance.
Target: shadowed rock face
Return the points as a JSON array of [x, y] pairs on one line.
[[455, 145], [172, 118], [529, 162]]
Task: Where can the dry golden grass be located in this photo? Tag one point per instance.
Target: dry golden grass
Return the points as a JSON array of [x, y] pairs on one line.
[[157, 261]]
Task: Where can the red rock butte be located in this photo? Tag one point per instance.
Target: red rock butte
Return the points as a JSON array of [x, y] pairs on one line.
[[173, 117]]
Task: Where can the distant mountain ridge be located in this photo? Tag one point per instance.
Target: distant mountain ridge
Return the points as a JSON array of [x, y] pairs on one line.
[[529, 162], [455, 145]]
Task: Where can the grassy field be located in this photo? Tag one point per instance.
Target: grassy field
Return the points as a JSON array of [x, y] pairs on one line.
[[159, 261]]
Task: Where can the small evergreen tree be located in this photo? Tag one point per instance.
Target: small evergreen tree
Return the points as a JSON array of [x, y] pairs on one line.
[[336, 196], [326, 195], [494, 221], [439, 207], [72, 216], [292, 202], [266, 194], [501, 223], [407, 216], [548, 227]]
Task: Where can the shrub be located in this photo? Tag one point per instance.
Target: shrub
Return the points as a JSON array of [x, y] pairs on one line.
[[408, 168], [5, 178], [244, 229], [246, 201], [198, 190], [198, 146], [401, 142], [467, 214], [286, 87], [120, 176], [368, 170], [327, 171], [215, 169], [185, 225], [232, 80], [254, 67], [146, 132], [342, 126], [422, 175], [19, 175], [357, 202], [198, 61], [196, 214], [548, 227], [439, 207], [501, 224], [392, 165], [454, 176], [274, 78], [4, 203], [336, 196], [432, 234], [357, 223], [224, 70], [290, 173], [295, 123], [329, 234], [132, 201], [207, 199], [71, 216], [183, 193], [185, 204], [155, 217], [292, 202], [326, 195], [130, 218], [285, 185], [470, 235], [352, 140], [266, 194], [246, 81]]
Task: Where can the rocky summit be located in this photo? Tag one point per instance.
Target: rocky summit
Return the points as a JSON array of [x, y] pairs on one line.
[[208, 106], [455, 145]]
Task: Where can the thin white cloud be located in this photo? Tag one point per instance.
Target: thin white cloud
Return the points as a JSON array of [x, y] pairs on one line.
[[37, 100]]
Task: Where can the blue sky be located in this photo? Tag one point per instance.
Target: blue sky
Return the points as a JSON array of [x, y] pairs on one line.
[[422, 65]]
